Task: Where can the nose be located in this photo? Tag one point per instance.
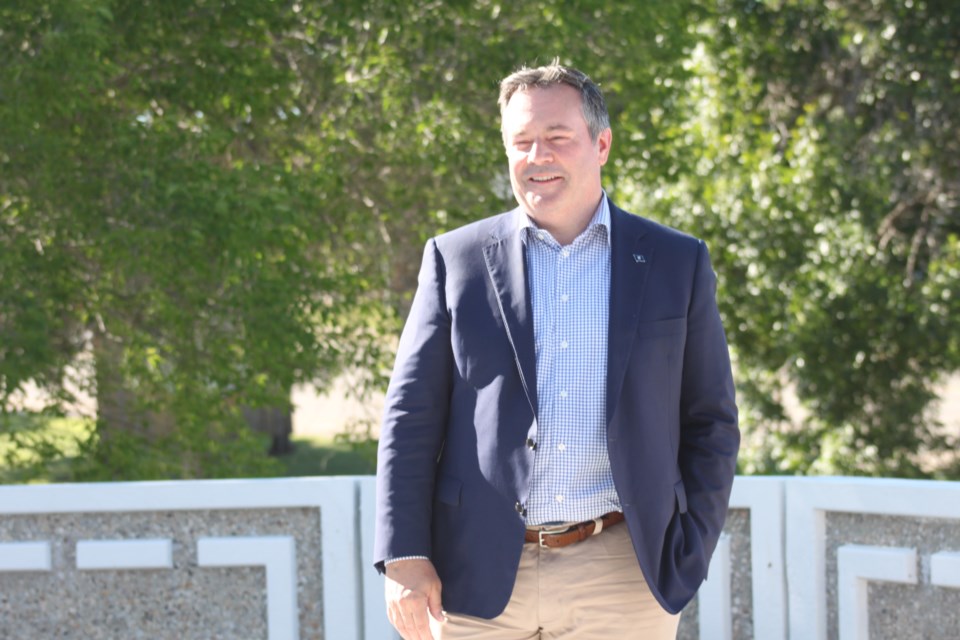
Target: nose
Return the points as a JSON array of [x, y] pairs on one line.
[[539, 153]]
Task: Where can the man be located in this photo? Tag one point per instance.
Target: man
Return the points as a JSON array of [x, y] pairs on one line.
[[560, 433]]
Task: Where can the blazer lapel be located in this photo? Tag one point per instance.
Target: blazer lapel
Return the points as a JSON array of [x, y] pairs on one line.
[[631, 254], [505, 259]]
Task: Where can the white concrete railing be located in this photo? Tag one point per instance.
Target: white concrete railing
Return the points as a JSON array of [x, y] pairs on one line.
[[794, 563]]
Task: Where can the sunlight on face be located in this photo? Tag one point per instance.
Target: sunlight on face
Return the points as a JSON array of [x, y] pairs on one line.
[[554, 165]]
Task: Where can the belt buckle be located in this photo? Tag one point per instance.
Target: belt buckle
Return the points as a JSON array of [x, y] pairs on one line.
[[541, 533]]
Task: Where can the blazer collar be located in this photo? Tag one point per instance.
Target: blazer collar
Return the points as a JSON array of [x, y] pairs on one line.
[[631, 254], [631, 257], [507, 266]]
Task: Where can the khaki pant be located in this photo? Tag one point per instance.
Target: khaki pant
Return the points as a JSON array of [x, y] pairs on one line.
[[591, 590]]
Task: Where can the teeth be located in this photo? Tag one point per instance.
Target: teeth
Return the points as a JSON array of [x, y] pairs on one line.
[[546, 179]]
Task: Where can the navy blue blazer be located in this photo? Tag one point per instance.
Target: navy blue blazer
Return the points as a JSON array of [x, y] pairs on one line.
[[453, 469]]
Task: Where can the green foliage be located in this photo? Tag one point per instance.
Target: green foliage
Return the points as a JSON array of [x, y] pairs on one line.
[[826, 183], [200, 447], [220, 200], [37, 448], [158, 210], [321, 457], [40, 448]]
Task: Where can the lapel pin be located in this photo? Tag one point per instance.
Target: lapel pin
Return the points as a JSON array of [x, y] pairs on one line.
[[639, 258]]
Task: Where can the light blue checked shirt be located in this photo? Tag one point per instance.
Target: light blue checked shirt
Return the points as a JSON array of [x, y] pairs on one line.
[[570, 296]]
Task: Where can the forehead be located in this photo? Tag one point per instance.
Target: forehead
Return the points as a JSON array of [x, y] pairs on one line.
[[544, 108]]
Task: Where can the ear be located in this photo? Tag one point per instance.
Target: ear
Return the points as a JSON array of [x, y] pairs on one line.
[[603, 145]]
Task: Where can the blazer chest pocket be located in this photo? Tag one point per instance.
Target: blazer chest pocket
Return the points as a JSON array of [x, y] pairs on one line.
[[448, 491], [659, 346], [662, 328]]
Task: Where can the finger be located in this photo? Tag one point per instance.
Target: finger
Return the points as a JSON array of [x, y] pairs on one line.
[[395, 615], [416, 623], [418, 626]]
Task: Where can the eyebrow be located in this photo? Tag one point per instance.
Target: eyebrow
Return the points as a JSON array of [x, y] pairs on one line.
[[550, 128]]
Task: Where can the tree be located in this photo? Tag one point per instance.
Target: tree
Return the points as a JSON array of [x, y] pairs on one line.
[[828, 185], [224, 198], [158, 208], [221, 199]]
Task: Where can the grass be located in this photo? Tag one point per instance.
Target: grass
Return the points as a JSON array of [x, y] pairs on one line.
[[40, 449], [326, 457]]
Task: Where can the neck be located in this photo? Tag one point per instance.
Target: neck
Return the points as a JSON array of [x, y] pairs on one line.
[[566, 227], [565, 236]]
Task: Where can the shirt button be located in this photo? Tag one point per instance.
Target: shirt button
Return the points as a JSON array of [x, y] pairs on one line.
[[563, 394], [564, 344], [559, 498], [565, 297], [561, 447], [565, 253]]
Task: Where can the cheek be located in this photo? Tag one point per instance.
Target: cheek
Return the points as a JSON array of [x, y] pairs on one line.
[[516, 169]]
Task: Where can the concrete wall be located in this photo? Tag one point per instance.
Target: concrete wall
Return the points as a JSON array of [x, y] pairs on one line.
[[800, 559]]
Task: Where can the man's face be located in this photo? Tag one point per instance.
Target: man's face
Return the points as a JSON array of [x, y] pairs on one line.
[[554, 165]]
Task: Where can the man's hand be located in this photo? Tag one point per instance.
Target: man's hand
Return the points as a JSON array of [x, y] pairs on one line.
[[413, 592]]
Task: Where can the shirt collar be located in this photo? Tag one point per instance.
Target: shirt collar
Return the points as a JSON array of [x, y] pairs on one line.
[[600, 217]]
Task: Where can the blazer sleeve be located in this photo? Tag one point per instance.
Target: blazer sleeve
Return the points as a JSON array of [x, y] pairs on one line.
[[709, 436], [415, 417]]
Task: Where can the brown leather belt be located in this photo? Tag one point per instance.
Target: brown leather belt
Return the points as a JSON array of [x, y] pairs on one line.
[[575, 533]]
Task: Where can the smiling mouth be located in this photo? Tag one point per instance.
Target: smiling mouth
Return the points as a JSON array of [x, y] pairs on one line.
[[542, 179]]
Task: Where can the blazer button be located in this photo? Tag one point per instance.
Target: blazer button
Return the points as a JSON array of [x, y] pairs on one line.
[[520, 509], [532, 444]]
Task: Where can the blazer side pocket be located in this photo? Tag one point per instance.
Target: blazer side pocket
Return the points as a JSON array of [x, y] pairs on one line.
[[681, 493]]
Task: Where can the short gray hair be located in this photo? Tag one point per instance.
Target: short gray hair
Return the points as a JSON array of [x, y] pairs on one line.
[[554, 74]]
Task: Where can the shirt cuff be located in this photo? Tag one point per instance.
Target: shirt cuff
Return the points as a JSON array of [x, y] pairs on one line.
[[392, 560]]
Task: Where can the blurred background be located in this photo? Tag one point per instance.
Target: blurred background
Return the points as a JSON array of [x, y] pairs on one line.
[[212, 214]]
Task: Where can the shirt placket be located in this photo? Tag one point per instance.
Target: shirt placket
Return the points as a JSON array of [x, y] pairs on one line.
[[560, 375]]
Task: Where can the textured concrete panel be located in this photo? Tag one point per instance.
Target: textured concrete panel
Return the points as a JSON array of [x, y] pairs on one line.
[[186, 602], [897, 611]]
